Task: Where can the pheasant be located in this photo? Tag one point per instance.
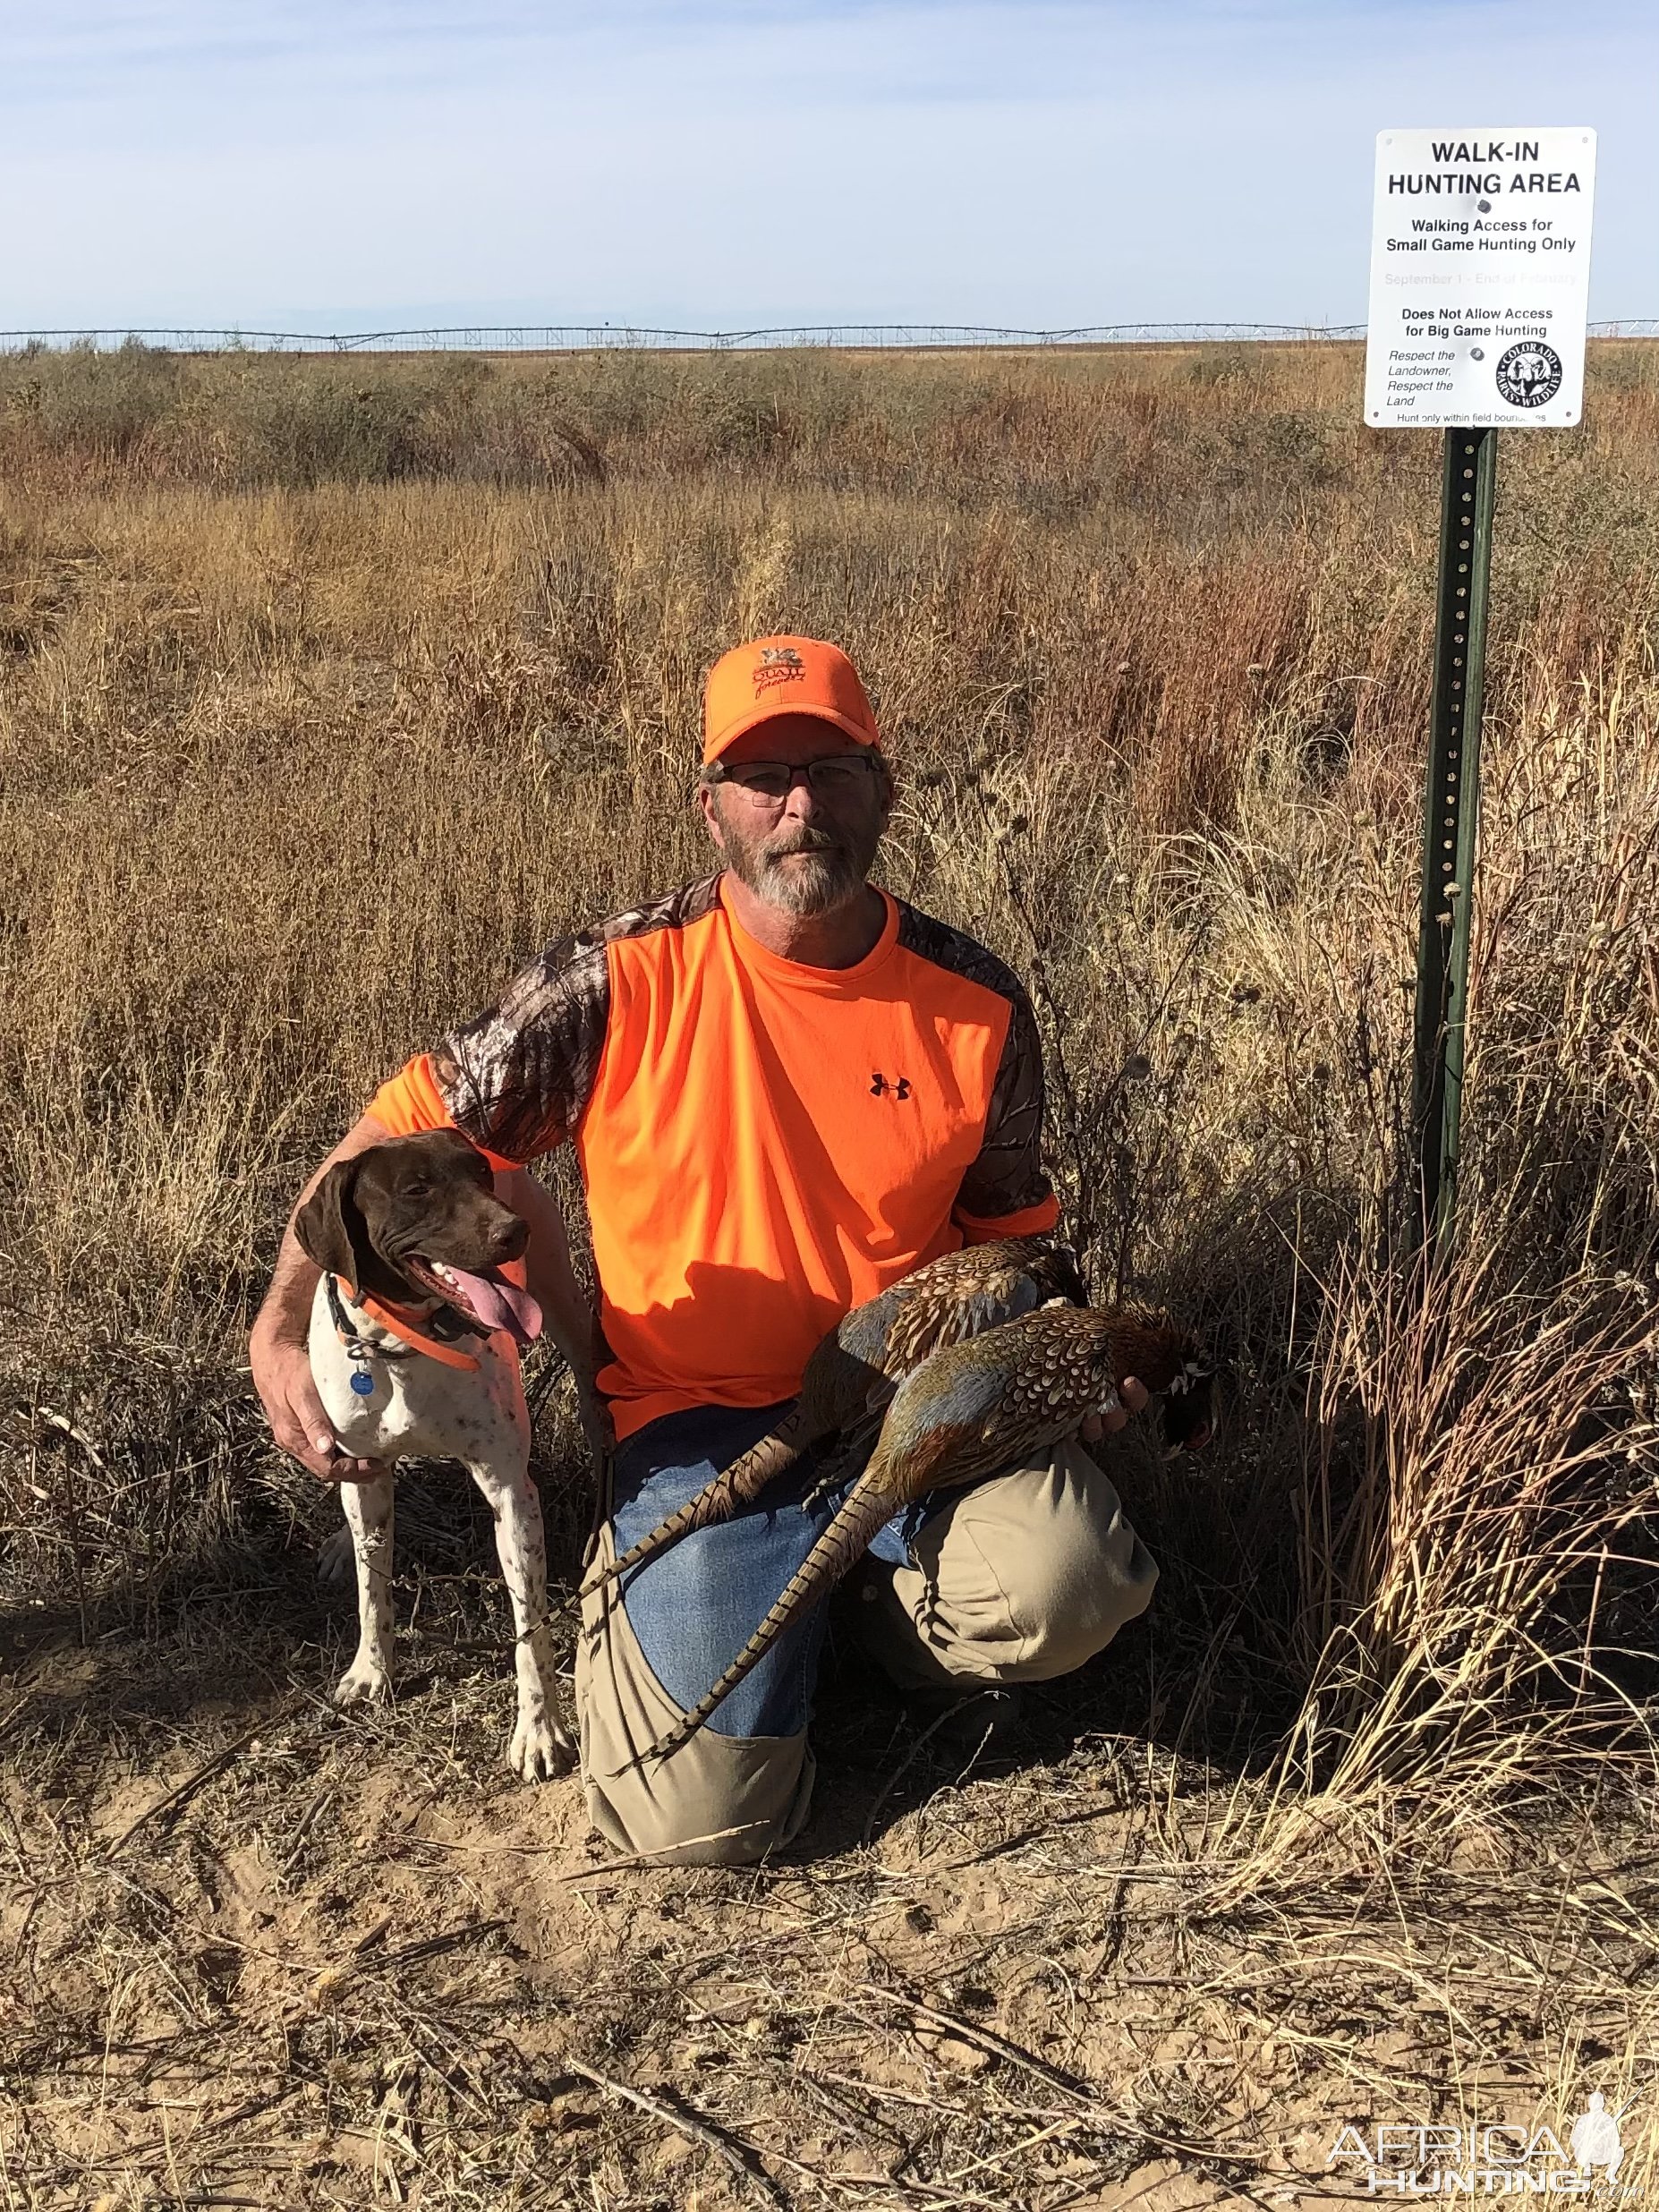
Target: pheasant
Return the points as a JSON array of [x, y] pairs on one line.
[[851, 1377], [973, 1408]]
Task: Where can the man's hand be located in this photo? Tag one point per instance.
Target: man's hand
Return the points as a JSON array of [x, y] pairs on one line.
[[1131, 1397], [281, 1375]]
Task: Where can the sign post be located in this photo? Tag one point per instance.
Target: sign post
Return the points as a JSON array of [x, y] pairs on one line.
[[1480, 256]]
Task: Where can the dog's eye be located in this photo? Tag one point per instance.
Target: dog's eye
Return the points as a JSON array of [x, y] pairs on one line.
[[417, 1190]]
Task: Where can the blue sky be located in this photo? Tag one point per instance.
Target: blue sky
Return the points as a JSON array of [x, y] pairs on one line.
[[717, 163]]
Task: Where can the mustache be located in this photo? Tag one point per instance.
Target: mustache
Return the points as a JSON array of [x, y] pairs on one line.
[[804, 841]]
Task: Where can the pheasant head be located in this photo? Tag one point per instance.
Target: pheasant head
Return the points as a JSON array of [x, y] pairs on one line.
[[1168, 1360]]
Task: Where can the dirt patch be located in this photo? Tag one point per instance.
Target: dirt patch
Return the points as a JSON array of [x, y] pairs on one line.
[[272, 1954]]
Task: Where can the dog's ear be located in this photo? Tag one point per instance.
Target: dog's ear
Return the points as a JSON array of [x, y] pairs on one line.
[[331, 1229]]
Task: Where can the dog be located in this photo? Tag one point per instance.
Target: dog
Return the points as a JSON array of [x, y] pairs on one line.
[[414, 1338]]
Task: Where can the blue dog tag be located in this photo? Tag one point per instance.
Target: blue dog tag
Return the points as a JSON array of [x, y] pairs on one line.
[[363, 1384]]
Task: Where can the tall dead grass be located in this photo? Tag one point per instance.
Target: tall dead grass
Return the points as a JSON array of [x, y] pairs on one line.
[[332, 691]]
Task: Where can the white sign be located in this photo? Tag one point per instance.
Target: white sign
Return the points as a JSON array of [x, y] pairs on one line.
[[1480, 274]]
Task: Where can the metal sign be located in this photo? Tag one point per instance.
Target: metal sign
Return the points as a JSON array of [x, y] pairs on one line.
[[1480, 264], [1480, 270]]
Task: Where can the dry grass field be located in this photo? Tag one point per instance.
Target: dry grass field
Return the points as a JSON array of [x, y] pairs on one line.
[[329, 690]]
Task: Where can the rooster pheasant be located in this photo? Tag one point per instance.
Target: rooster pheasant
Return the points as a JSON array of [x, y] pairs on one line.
[[852, 1375], [973, 1408]]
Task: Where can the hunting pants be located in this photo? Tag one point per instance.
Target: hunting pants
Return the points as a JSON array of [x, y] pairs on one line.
[[1018, 1579]]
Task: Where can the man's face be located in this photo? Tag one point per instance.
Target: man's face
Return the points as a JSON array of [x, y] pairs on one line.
[[807, 852]]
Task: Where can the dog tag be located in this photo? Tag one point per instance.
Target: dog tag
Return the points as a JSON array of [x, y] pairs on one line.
[[363, 1384]]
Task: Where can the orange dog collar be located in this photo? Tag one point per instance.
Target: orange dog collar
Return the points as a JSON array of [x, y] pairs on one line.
[[406, 1327]]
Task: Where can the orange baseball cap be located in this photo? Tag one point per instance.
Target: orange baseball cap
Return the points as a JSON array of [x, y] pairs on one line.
[[783, 676]]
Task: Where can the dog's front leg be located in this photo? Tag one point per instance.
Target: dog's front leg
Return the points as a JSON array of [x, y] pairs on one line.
[[541, 1745], [367, 1508]]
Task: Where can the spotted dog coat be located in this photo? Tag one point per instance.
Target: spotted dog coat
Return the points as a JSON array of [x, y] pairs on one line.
[[421, 1407]]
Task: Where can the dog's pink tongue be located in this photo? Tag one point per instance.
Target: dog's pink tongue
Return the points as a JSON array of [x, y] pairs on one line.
[[499, 1304]]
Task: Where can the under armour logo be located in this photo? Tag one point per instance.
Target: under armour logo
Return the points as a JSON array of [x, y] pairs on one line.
[[880, 1087]]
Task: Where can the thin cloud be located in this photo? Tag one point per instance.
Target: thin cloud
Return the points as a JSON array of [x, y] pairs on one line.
[[741, 161]]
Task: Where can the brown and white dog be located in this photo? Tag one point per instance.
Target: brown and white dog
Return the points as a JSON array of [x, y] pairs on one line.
[[414, 1341]]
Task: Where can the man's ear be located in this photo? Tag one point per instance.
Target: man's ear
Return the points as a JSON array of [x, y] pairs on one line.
[[887, 788], [708, 806], [331, 1230]]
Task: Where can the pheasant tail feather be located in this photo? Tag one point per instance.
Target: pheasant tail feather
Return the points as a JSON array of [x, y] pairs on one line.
[[842, 1543], [740, 1483]]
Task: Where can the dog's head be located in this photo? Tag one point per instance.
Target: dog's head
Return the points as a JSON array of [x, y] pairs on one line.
[[417, 1219]]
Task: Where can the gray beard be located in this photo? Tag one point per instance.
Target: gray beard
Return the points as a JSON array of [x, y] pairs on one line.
[[805, 884]]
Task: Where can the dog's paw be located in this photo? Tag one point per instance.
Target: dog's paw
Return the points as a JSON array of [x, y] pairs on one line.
[[336, 1567], [364, 1682], [541, 1748]]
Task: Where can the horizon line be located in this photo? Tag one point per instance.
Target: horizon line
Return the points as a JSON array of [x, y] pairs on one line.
[[596, 336]]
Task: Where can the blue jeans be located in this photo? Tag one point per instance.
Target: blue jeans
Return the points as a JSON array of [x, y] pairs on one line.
[[694, 1606]]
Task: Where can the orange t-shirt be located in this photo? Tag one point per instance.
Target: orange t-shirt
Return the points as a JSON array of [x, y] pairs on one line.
[[764, 1144]]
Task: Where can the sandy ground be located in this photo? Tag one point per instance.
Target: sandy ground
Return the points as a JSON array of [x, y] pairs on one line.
[[267, 1953]]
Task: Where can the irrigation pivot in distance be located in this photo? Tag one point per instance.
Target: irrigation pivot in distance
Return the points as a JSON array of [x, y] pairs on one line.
[[1480, 254]]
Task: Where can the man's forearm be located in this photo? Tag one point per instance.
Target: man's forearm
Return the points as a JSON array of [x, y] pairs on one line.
[[551, 1279], [570, 1321]]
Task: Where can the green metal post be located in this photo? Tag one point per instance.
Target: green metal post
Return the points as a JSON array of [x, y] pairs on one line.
[[1450, 813]]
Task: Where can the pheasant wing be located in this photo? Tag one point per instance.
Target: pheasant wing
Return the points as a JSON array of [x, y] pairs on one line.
[[929, 1320]]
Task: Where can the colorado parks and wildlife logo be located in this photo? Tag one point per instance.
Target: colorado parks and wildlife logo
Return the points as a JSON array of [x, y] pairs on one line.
[[1530, 374]]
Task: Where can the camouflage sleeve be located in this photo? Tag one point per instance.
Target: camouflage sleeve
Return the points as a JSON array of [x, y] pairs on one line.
[[1008, 1178], [516, 1079]]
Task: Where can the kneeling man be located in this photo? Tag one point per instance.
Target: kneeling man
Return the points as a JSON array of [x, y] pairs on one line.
[[786, 1089]]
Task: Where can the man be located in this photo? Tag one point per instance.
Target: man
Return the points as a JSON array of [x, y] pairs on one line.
[[785, 1090]]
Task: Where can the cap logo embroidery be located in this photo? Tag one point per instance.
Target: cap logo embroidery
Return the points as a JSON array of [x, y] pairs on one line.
[[780, 664]]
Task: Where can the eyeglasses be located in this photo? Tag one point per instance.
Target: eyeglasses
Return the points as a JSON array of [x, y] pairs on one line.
[[771, 781]]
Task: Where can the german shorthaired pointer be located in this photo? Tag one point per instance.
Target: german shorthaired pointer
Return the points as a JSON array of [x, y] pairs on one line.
[[414, 1343]]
